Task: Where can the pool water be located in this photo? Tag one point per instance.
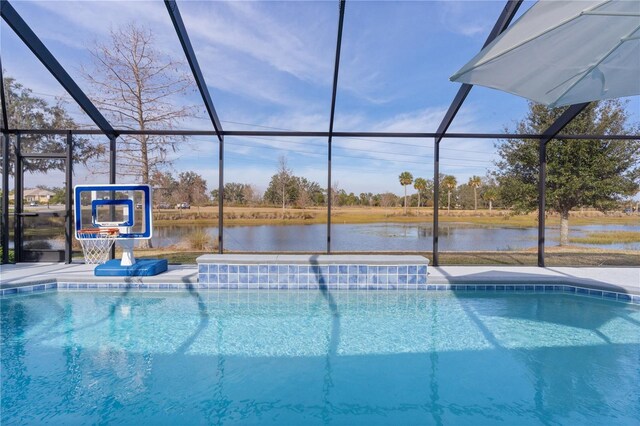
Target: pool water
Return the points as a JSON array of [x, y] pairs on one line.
[[278, 357]]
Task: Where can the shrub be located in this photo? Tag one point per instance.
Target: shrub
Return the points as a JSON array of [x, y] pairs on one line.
[[200, 240], [12, 256]]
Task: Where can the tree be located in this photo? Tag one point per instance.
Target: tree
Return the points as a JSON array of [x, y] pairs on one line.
[[450, 183], [285, 188], [27, 111], [420, 185], [490, 195], [335, 193], [165, 188], [388, 199], [597, 173], [309, 192], [251, 195], [236, 193], [343, 197], [464, 197], [192, 188], [475, 182], [406, 178], [136, 87], [282, 188]]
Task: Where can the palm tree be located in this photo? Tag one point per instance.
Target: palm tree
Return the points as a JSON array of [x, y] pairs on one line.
[[450, 183], [475, 182], [406, 178], [420, 185], [490, 195]]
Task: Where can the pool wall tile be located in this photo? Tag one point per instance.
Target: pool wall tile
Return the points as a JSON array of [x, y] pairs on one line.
[[624, 297], [358, 277]]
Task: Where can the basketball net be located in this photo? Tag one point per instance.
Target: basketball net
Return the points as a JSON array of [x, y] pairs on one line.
[[96, 243]]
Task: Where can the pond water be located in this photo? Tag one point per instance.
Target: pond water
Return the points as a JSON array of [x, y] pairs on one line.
[[383, 237]]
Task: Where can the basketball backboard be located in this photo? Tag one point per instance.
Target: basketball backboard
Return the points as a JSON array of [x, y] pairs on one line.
[[126, 207]]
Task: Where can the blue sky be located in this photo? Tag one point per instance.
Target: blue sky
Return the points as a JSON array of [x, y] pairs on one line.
[[269, 65]]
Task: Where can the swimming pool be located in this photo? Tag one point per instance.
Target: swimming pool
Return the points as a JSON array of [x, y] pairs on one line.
[[319, 357]]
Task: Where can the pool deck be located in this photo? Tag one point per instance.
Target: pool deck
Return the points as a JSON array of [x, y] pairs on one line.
[[625, 280]]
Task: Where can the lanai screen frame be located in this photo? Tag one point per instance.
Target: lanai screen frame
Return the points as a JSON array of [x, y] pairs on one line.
[[22, 29]]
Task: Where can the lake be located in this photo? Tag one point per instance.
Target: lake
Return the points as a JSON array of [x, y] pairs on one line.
[[383, 237]]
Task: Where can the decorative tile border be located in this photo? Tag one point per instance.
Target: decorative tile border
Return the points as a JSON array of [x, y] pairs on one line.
[[195, 287], [119, 287], [300, 276], [539, 288], [29, 289]]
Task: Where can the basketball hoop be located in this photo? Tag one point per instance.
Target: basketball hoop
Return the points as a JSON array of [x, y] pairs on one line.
[[96, 243]]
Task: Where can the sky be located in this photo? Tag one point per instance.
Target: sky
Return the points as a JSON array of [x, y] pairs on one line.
[[269, 65]]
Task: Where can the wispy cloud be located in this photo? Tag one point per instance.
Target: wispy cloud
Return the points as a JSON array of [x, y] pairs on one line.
[[260, 31], [466, 18]]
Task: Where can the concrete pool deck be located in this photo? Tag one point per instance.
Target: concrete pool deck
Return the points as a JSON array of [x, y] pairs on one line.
[[625, 280]]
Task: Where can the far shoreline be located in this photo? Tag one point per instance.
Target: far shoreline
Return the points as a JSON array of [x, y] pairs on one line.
[[273, 216]]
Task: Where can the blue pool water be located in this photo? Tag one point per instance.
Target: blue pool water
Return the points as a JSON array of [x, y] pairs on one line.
[[310, 357]]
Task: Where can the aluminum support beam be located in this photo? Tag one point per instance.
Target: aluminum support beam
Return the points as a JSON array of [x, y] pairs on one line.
[[112, 181], [26, 34], [501, 24], [68, 220], [549, 134], [5, 197], [112, 160], [336, 70], [321, 134], [542, 200], [178, 24], [5, 172], [436, 202], [221, 196], [17, 202], [3, 101]]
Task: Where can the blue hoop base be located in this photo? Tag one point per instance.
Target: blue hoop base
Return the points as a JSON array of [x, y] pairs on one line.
[[142, 268]]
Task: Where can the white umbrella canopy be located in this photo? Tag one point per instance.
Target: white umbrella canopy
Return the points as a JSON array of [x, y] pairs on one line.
[[564, 52]]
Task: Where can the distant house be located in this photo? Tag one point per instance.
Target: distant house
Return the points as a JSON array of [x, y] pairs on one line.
[[37, 195]]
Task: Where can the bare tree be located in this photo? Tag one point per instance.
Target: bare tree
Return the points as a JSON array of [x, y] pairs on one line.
[[136, 87], [283, 178], [251, 194], [335, 193], [388, 199]]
